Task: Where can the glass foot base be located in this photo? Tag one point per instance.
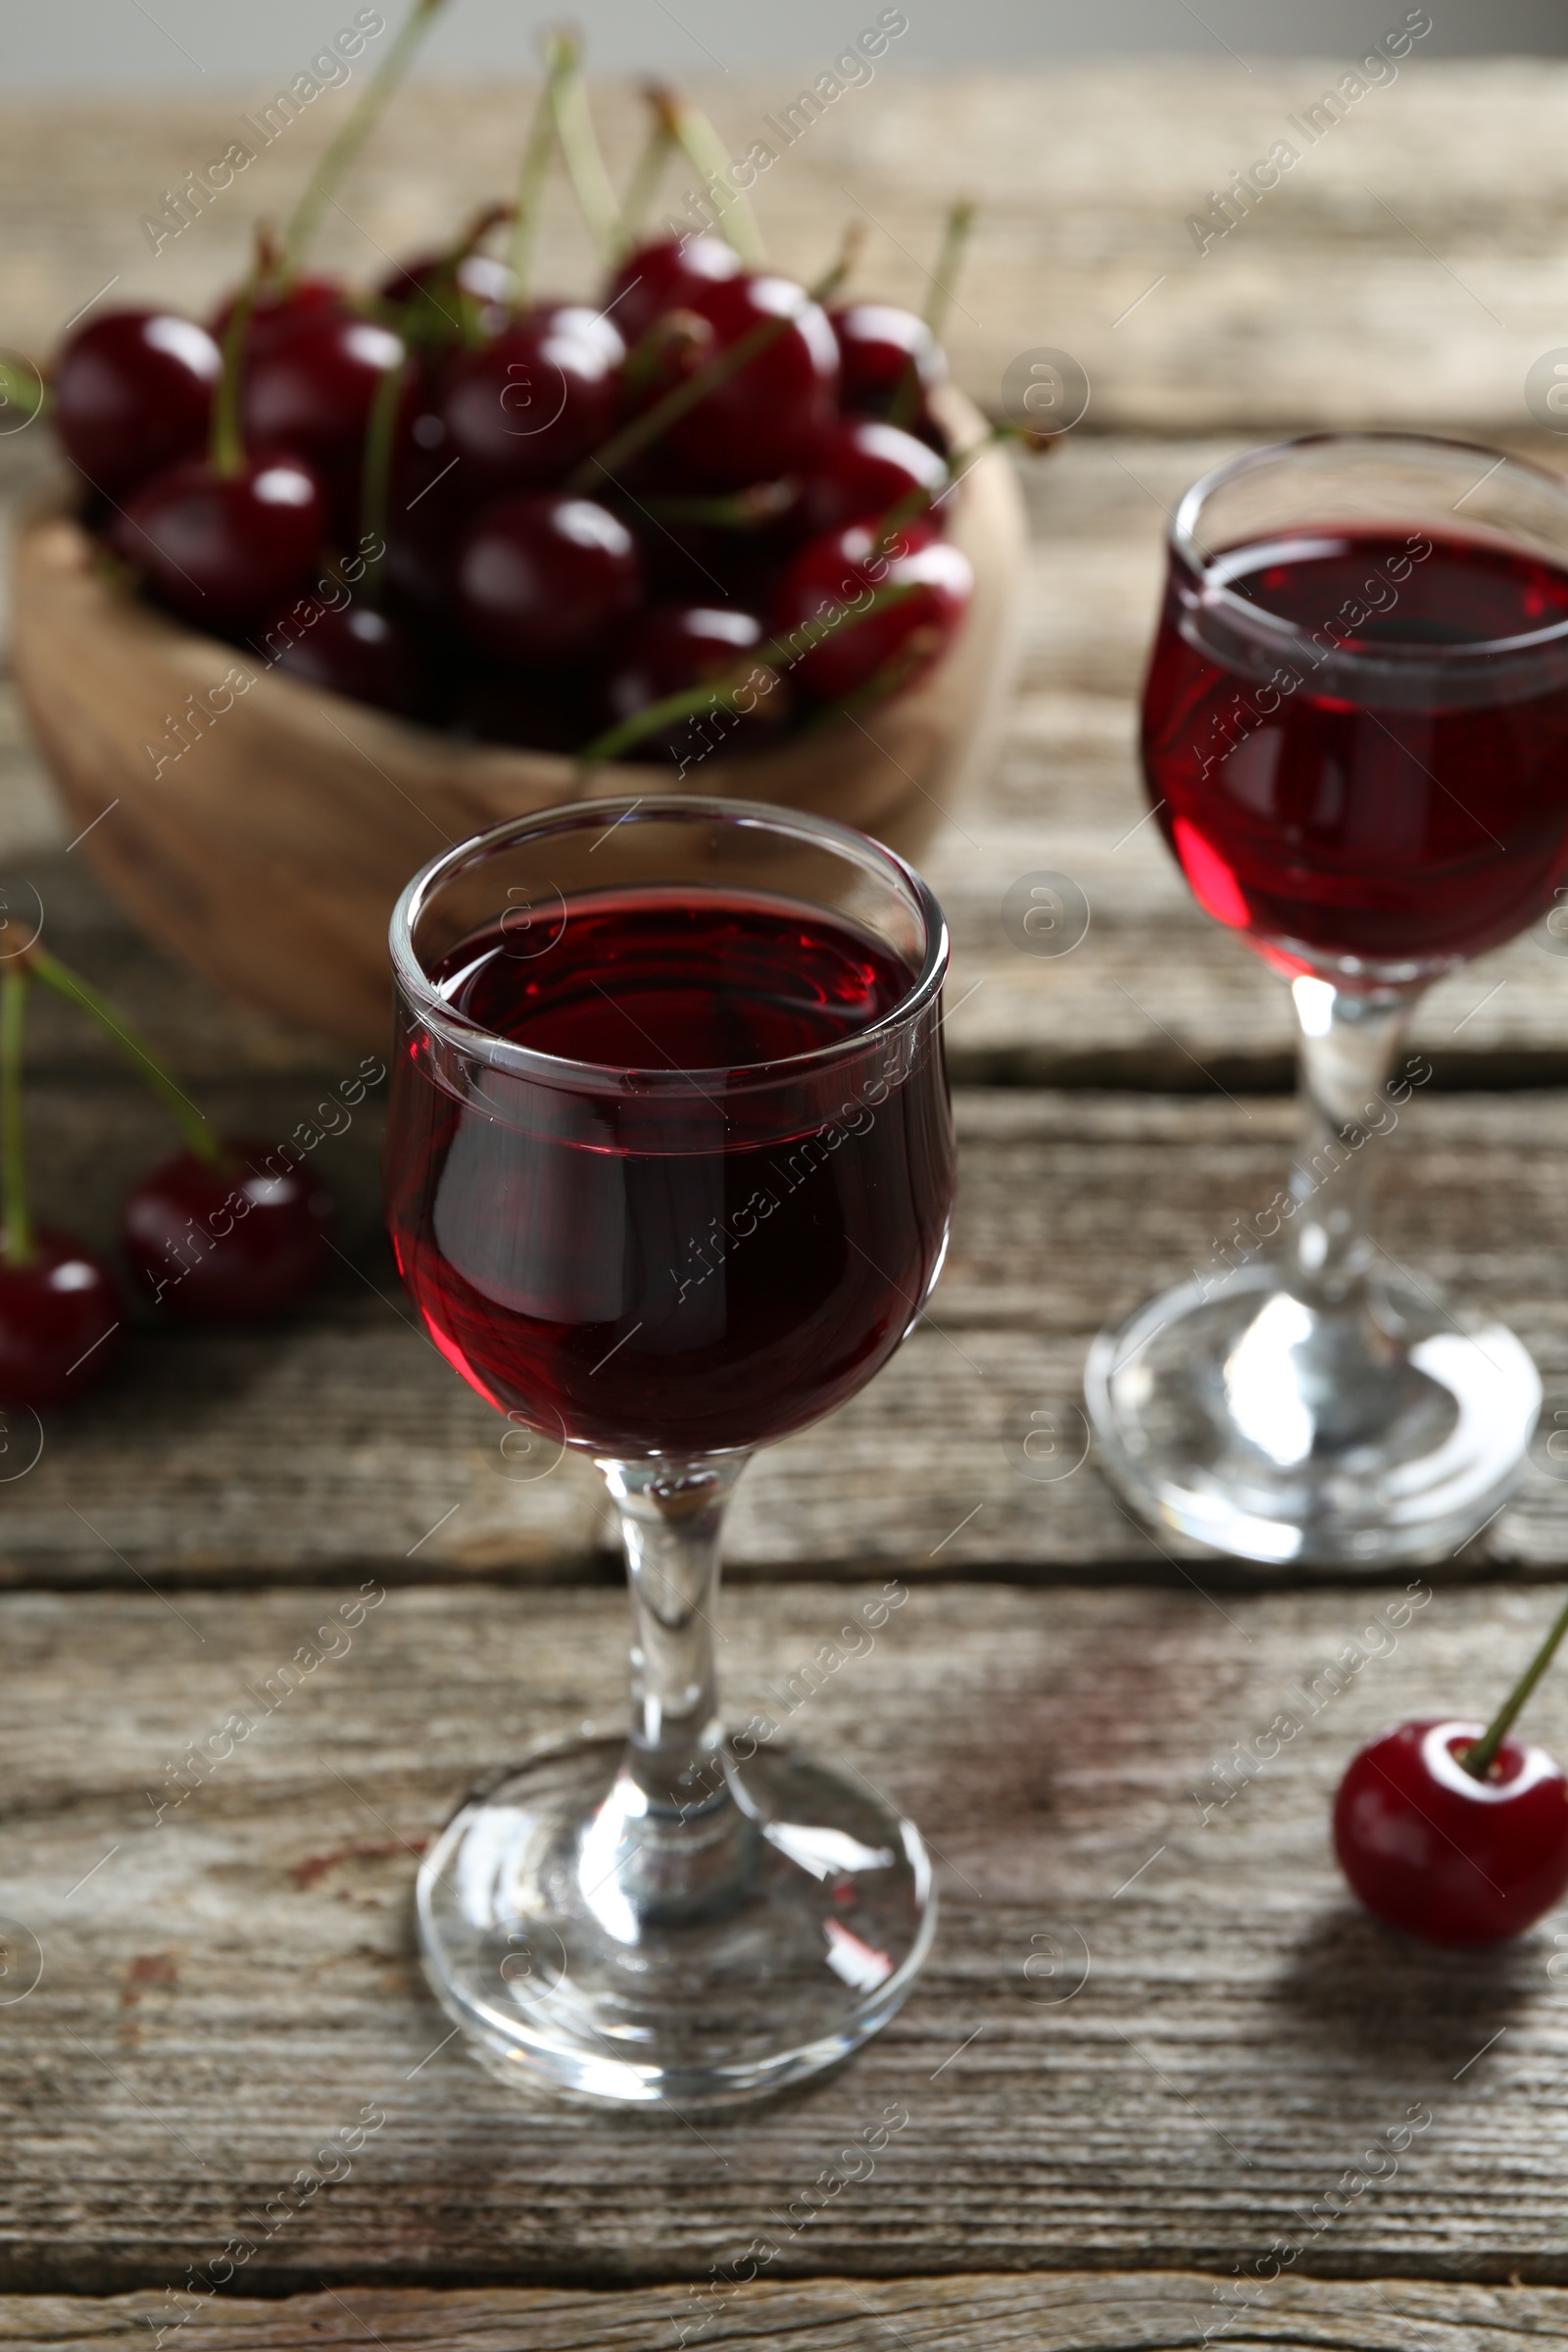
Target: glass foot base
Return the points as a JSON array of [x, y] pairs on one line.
[[788, 1925], [1389, 1428]]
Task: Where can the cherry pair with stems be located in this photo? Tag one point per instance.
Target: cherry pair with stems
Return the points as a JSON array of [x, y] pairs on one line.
[[218, 1233]]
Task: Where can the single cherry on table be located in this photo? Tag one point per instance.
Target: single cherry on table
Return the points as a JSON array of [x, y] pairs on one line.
[[228, 1240], [60, 1306], [1452, 1829], [60, 1321]]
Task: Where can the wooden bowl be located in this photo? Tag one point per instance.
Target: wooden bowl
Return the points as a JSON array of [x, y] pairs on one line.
[[269, 853]]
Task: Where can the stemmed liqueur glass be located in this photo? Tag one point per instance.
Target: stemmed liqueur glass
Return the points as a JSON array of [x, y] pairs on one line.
[[1355, 737], [669, 1171]]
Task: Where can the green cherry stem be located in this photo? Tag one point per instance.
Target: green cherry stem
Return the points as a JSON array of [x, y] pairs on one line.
[[649, 169], [749, 510], [1479, 1758], [226, 442], [708, 157], [656, 420], [82, 993], [883, 684], [955, 236], [16, 1235], [299, 233], [580, 143], [376, 478], [537, 149], [723, 693], [22, 388]]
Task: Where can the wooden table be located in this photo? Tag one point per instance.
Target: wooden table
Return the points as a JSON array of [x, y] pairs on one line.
[[1153, 2043]]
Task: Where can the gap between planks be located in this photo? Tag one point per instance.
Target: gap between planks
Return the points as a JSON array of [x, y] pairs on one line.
[[1061, 2312]]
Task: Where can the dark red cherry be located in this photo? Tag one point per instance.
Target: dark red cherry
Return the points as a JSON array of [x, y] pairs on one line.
[[276, 311], [426, 509], [1430, 1849], [547, 578], [132, 391], [229, 1243], [535, 712], [350, 648], [878, 347], [844, 570], [311, 391], [485, 281], [60, 1320], [662, 276], [522, 412], [865, 468], [771, 415], [674, 646], [222, 549]]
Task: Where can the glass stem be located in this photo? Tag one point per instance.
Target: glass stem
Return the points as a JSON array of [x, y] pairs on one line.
[[671, 1833], [1348, 1042]]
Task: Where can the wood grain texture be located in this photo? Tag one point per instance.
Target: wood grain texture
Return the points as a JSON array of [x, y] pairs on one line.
[[1063, 2312], [1145, 2039], [1406, 269], [339, 1438]]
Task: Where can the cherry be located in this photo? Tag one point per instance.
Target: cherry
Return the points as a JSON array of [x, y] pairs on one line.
[[663, 276], [865, 468], [676, 646], [222, 548], [311, 389], [840, 570], [523, 411], [60, 1316], [546, 578], [278, 310], [228, 1239], [554, 714], [421, 545], [879, 345], [426, 508], [132, 391], [350, 648], [478, 273], [1430, 1849], [423, 289], [771, 415]]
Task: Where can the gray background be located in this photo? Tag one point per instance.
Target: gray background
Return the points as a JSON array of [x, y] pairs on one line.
[[187, 43]]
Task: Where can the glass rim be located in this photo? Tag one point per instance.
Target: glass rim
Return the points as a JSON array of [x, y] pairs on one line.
[[468, 1036], [1289, 634]]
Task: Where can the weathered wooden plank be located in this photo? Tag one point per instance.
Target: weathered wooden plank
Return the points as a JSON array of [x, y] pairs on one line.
[[339, 1437], [1407, 268], [1143, 2040], [1082, 2311]]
